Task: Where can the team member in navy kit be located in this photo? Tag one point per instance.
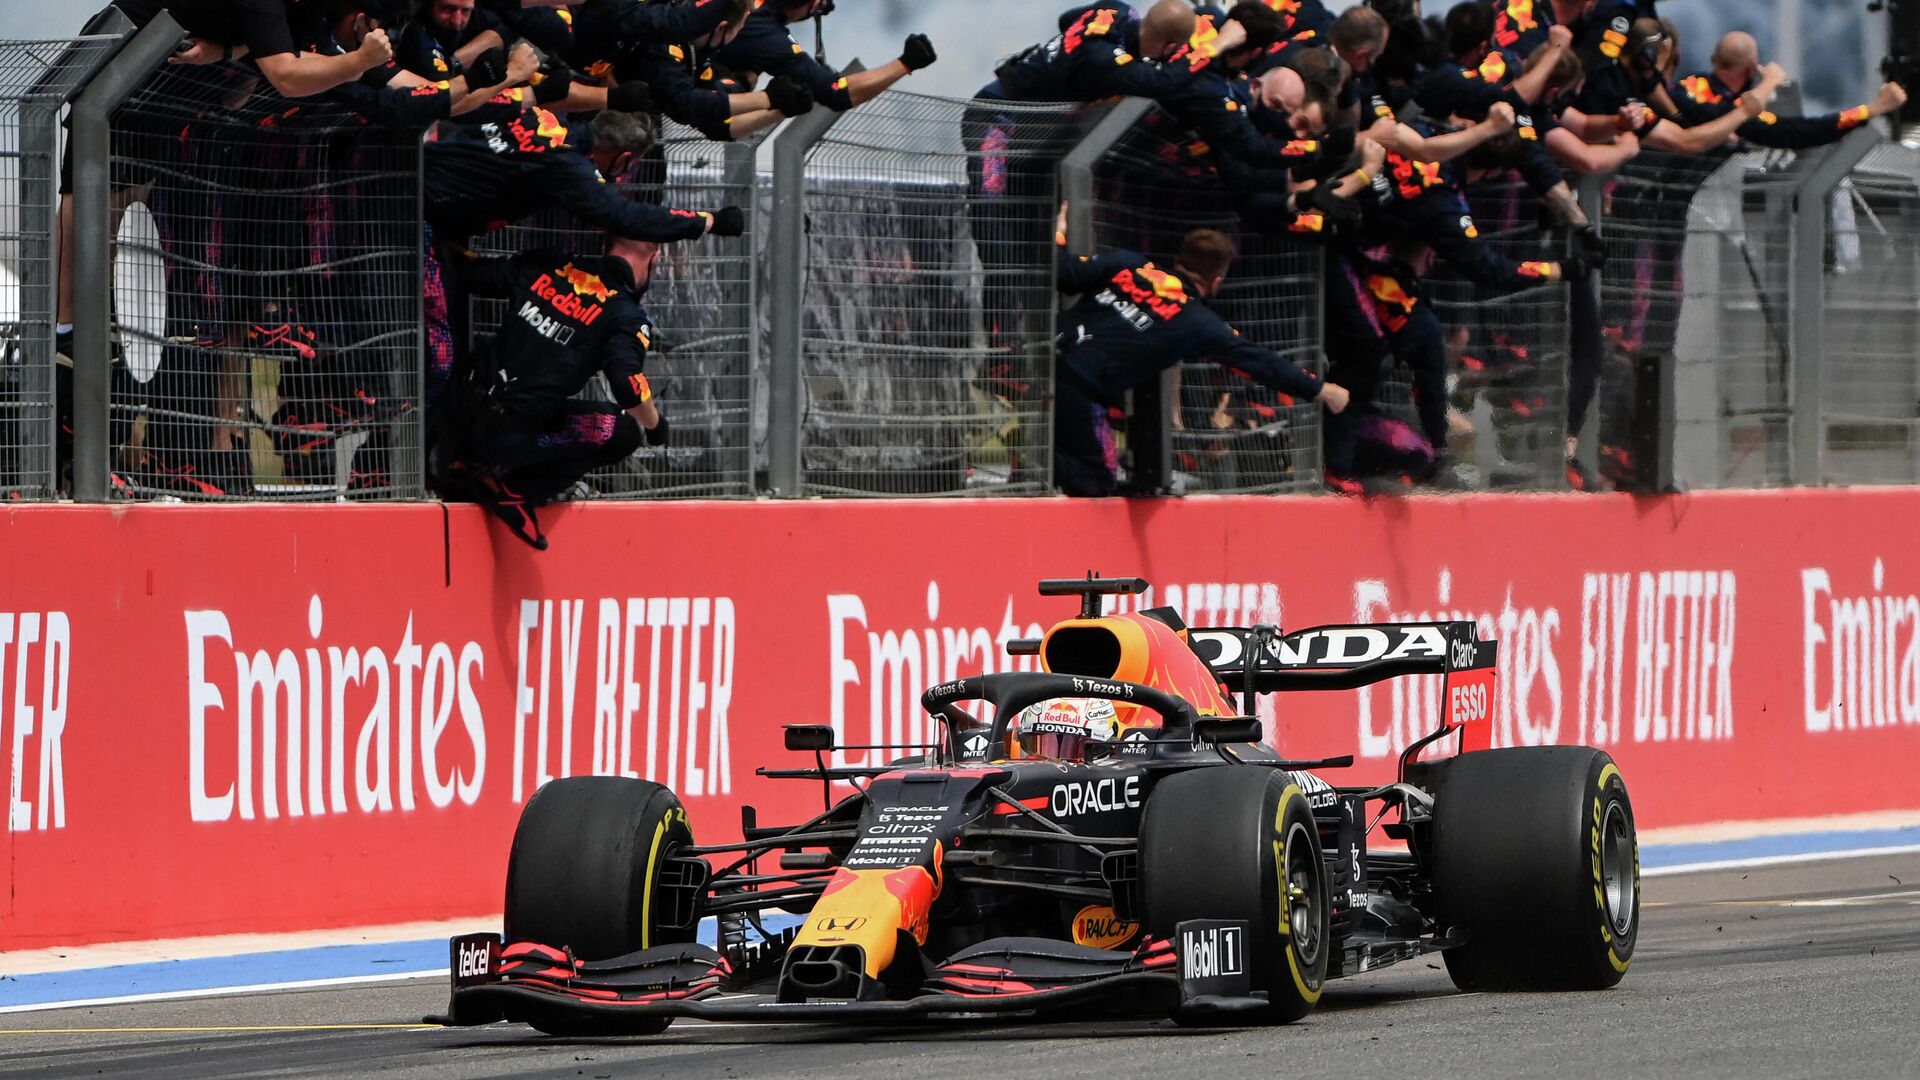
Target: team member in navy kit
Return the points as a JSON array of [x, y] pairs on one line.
[[498, 170], [766, 47], [1706, 97], [1135, 321], [518, 436]]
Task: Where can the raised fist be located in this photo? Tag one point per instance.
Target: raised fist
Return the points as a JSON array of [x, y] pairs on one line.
[[790, 97], [1891, 99], [1500, 114], [917, 52], [375, 50], [728, 221]]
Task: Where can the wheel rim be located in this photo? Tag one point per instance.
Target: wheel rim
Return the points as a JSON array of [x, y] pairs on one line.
[[1303, 896], [1617, 869]]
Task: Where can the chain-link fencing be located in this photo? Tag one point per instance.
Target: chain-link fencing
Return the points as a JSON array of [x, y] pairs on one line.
[[1229, 434], [266, 300], [928, 296], [1870, 399], [36, 79], [701, 302], [1509, 354]]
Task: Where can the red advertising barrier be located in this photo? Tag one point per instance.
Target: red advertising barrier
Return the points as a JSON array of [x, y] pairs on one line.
[[238, 719]]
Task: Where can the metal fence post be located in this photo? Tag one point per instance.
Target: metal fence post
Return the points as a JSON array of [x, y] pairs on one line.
[[739, 174], [1149, 444], [1806, 300], [1590, 194], [93, 244], [39, 209], [787, 264]]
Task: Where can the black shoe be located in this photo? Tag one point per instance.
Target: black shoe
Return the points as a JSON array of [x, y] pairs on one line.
[[518, 516], [1581, 478]]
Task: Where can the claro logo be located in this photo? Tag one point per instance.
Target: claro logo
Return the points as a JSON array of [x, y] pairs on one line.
[[329, 728]]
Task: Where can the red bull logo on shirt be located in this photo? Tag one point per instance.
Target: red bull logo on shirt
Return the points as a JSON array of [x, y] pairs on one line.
[[569, 303]]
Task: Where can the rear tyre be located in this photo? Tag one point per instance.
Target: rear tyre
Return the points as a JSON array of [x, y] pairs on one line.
[[586, 862], [1239, 842], [1537, 864]]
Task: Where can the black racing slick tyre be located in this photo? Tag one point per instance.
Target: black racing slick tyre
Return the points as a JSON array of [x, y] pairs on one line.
[[1239, 842], [586, 863], [1537, 865]]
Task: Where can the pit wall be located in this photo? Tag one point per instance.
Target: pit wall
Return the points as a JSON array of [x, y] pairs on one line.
[[222, 720]]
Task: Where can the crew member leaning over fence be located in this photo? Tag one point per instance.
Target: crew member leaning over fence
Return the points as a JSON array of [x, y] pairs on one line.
[[450, 30], [486, 174], [516, 435], [1104, 50], [1610, 106], [259, 32], [1418, 211], [1136, 320], [766, 47], [1218, 105], [685, 86], [395, 96], [1706, 97]]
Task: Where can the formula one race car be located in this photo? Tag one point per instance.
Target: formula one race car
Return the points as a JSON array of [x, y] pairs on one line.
[[1109, 837]]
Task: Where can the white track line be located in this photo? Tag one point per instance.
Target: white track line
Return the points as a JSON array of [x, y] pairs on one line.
[[1777, 860], [219, 991]]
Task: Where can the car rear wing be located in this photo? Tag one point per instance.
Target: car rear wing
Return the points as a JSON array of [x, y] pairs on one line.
[[1261, 660], [1339, 657]]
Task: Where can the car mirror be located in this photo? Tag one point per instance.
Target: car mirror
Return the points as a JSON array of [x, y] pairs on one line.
[[1228, 729], [809, 737]]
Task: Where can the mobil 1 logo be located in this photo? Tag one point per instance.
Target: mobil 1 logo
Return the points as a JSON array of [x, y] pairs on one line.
[[1213, 958]]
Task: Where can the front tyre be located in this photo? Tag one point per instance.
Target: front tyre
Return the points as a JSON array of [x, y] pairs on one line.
[[1536, 863], [1239, 842], [585, 869]]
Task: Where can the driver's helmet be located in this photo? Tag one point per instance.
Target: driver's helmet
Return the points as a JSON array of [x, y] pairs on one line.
[[1063, 729]]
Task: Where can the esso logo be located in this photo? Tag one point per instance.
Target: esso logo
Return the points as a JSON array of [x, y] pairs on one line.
[[1466, 704]]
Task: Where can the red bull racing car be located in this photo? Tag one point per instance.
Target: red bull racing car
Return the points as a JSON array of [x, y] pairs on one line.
[[1107, 836]]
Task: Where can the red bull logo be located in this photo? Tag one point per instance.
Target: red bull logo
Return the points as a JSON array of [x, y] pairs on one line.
[[1096, 23], [569, 303], [1700, 89], [585, 284], [1153, 289], [1413, 177], [1204, 33]]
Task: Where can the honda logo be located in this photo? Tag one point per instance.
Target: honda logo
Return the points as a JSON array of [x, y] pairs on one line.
[[831, 924]]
